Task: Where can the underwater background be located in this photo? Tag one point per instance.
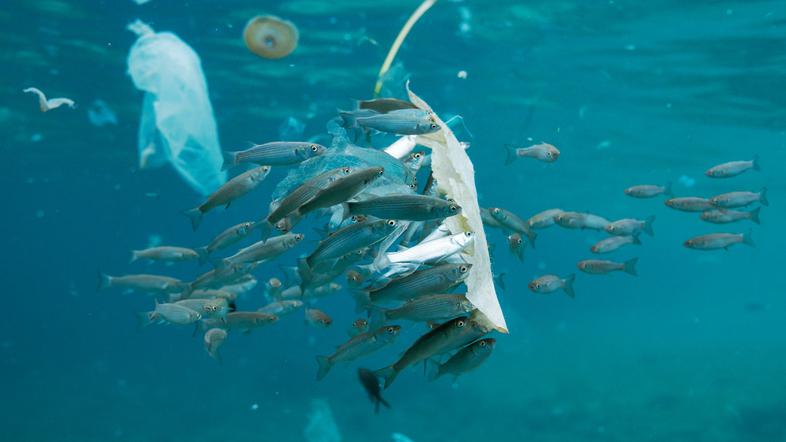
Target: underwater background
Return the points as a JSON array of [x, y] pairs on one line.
[[692, 349]]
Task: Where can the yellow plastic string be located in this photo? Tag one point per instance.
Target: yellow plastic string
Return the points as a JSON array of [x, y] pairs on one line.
[[399, 40]]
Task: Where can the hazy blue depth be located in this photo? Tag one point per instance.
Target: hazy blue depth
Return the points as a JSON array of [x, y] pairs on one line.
[[631, 92]]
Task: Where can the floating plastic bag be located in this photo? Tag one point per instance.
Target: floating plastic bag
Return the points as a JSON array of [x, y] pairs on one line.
[[177, 124], [455, 176]]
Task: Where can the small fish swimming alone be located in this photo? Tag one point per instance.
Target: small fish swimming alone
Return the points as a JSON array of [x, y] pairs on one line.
[[715, 241], [630, 226], [601, 267], [165, 253], [543, 152], [725, 216], [370, 383], [649, 191], [546, 218], [608, 245], [689, 204], [232, 190], [448, 336], [214, 339], [733, 200], [276, 153], [551, 283], [318, 318], [733, 168], [465, 360], [52, 103], [358, 346]]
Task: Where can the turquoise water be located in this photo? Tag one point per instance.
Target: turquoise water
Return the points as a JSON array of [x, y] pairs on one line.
[[630, 92]]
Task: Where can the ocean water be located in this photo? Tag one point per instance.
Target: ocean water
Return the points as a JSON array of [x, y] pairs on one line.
[[692, 349]]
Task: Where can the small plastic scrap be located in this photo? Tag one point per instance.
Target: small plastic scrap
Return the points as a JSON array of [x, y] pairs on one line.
[[52, 103]]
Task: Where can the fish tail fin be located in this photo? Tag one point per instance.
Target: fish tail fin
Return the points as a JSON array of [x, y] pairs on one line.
[[531, 236], [324, 366], [499, 280], [104, 281], [389, 374], [195, 215], [747, 239], [432, 370], [202, 254], [636, 239], [667, 190], [134, 256], [567, 285], [630, 266], [754, 215], [304, 271], [510, 154], [756, 165], [230, 159], [362, 300], [763, 197], [648, 225]]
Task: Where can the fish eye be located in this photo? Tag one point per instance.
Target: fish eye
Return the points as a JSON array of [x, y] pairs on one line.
[[390, 330], [467, 234], [482, 343], [314, 148], [434, 125], [416, 155], [453, 208], [460, 323], [413, 186], [391, 222], [381, 171], [463, 269]]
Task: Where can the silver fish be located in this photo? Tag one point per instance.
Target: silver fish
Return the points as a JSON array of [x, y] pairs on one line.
[[171, 313], [543, 152], [467, 359], [733, 168], [281, 308], [385, 105], [276, 153], [142, 282], [578, 220], [630, 226], [246, 321], [437, 279], [599, 266], [608, 245], [448, 336], [403, 207], [551, 283], [516, 245], [428, 308], [232, 190], [358, 346], [165, 253], [546, 218], [715, 241], [225, 239], [303, 194], [689, 204], [648, 190], [400, 122], [342, 189], [348, 239], [513, 222], [725, 216], [733, 200], [318, 318], [264, 250]]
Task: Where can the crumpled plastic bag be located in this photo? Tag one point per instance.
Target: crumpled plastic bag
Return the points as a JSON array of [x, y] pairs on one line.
[[177, 124]]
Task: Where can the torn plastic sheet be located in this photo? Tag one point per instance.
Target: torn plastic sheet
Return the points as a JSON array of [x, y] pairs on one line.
[[455, 176]]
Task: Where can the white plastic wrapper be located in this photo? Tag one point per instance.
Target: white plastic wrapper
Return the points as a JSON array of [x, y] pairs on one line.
[[177, 124], [455, 176]]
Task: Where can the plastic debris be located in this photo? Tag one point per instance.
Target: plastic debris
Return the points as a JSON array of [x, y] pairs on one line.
[[100, 114], [177, 125], [270, 37], [455, 174], [321, 426], [52, 103]]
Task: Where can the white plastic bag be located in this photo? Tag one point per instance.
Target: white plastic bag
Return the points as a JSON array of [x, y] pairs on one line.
[[177, 124]]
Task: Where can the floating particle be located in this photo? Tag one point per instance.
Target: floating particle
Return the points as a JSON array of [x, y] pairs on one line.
[[603, 145], [270, 37], [254, 407], [39, 213], [686, 181], [462, 74]]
